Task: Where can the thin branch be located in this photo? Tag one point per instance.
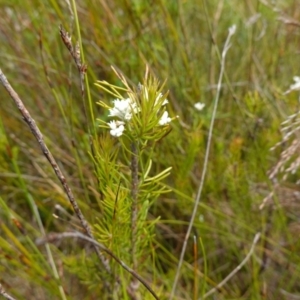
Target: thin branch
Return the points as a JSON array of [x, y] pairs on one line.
[[4, 294], [38, 135], [198, 197], [58, 236], [255, 240]]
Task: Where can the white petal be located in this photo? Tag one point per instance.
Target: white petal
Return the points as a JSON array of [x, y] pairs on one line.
[[123, 109], [295, 86], [117, 128], [118, 131], [165, 119], [199, 106], [112, 124], [158, 97]]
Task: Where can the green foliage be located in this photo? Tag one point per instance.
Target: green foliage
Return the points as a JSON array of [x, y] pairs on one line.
[[179, 42], [125, 199]]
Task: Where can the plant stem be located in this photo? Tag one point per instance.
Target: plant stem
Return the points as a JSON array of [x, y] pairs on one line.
[[134, 208], [205, 164], [134, 213]]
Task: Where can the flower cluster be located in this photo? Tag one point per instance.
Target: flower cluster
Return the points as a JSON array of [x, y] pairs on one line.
[[199, 106], [124, 109], [116, 128]]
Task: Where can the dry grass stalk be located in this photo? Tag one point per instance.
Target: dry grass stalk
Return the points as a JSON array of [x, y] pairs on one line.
[[4, 294], [38, 135], [288, 163]]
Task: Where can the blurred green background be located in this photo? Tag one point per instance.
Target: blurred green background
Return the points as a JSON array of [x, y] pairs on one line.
[[181, 42]]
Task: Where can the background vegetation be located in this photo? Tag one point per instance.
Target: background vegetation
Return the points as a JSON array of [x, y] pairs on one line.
[[181, 42]]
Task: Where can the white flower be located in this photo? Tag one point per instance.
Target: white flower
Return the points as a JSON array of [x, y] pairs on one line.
[[117, 128], [123, 109], [165, 119], [295, 86], [158, 97], [199, 106]]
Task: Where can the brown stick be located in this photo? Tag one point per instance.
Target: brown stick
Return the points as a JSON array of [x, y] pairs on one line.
[[38, 135]]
